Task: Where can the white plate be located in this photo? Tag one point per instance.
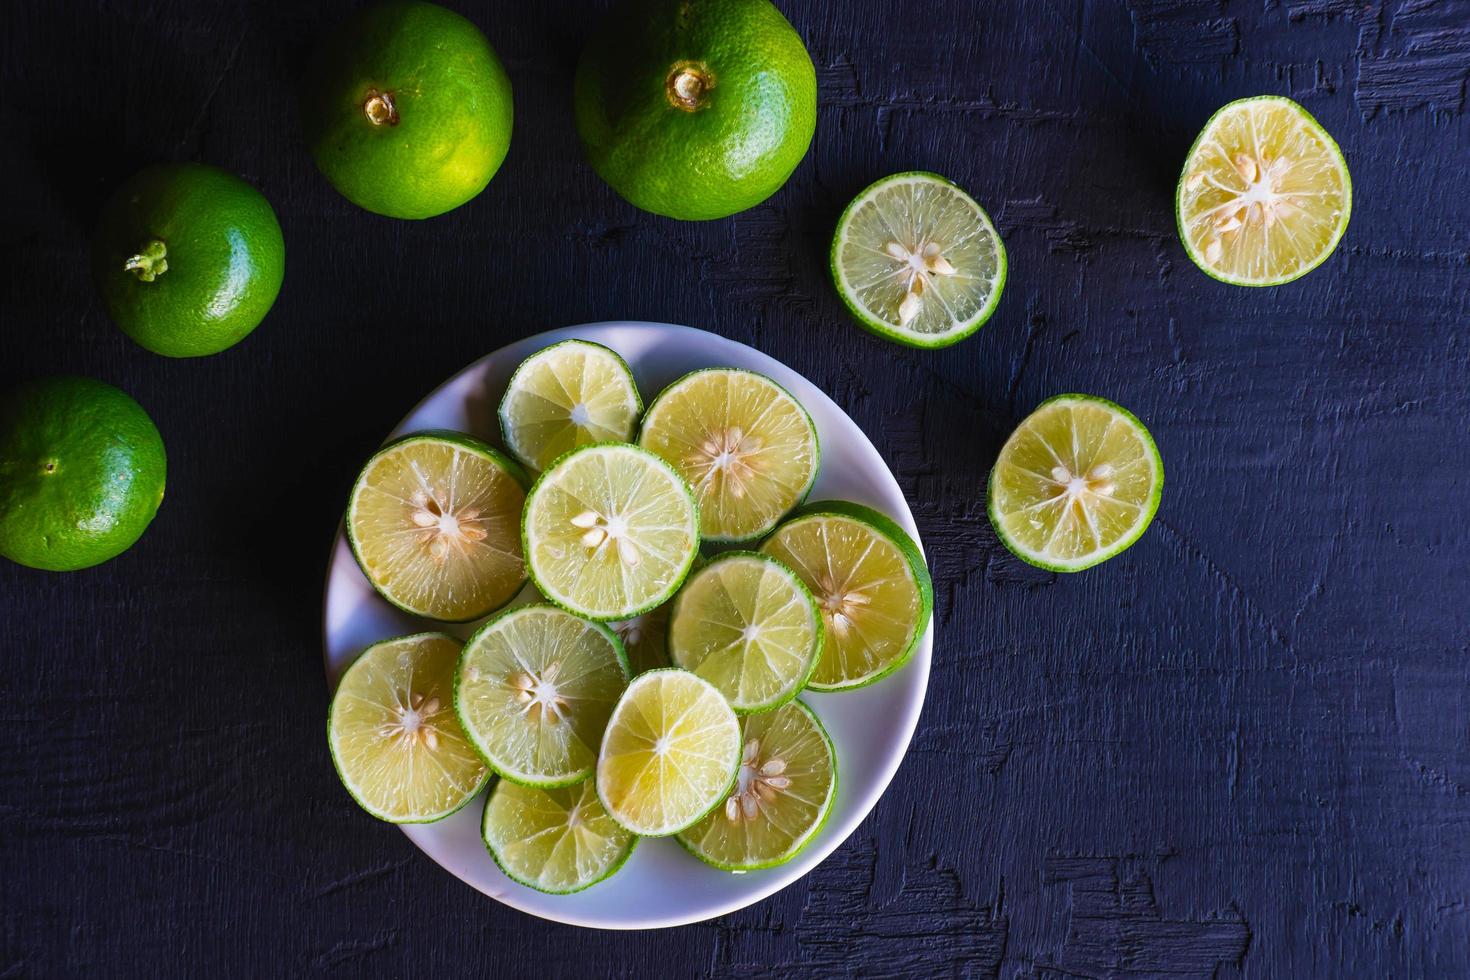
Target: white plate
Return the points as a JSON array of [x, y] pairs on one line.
[[661, 885]]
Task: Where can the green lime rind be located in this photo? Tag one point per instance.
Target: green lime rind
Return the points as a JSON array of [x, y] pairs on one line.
[[1122, 545], [556, 600], [82, 473], [882, 328], [719, 798], [503, 413], [884, 525], [796, 684], [507, 866], [337, 763], [466, 442], [494, 759], [757, 535], [1347, 203], [802, 842]]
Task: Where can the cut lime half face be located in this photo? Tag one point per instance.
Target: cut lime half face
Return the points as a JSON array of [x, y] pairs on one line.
[[1075, 484], [870, 582], [570, 394], [434, 522], [394, 738], [745, 445], [670, 753], [781, 797], [916, 260], [535, 687], [747, 624], [1265, 195], [610, 531], [553, 840]]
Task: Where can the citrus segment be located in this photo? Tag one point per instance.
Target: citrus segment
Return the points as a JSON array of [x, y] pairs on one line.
[[1076, 483], [610, 531], [916, 260], [568, 395], [534, 690], [1265, 194], [747, 624], [870, 582], [745, 445], [781, 797], [393, 735], [434, 522], [670, 753], [553, 840]]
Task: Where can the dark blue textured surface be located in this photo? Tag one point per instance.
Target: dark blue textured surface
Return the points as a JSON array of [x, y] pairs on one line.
[[1240, 750]]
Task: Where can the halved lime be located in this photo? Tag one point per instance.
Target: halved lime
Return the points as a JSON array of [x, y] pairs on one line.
[[1076, 483], [670, 753], [434, 521], [747, 624], [610, 531], [745, 445], [534, 689], [870, 582], [781, 798], [394, 738], [916, 260], [1265, 194], [567, 395], [553, 840]]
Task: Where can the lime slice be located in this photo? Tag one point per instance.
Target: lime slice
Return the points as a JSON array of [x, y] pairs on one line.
[[747, 624], [553, 840], [670, 753], [434, 521], [1075, 484], [394, 738], [1265, 195], [870, 582], [610, 531], [645, 639], [916, 260], [781, 798], [570, 394], [745, 445], [534, 690]]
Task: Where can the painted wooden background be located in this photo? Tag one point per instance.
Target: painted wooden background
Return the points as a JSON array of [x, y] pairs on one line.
[[1241, 750]]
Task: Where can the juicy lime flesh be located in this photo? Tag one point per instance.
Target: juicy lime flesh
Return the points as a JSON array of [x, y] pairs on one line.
[[745, 445], [865, 586], [669, 755], [787, 780], [696, 111], [408, 109], [188, 259], [555, 840], [748, 626], [566, 396], [917, 255], [436, 528], [1076, 482], [394, 737], [610, 532], [82, 470], [536, 687], [1265, 194]]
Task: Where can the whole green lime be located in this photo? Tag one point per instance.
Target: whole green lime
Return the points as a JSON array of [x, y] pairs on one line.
[[408, 110], [696, 109], [81, 473], [188, 258]]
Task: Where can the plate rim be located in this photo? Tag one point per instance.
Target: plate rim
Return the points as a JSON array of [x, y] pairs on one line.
[[764, 883]]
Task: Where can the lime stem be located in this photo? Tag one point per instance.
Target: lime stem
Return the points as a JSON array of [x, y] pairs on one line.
[[688, 85], [379, 108], [150, 263]]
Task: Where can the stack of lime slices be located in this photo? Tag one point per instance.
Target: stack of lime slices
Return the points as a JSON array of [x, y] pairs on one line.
[[653, 693]]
